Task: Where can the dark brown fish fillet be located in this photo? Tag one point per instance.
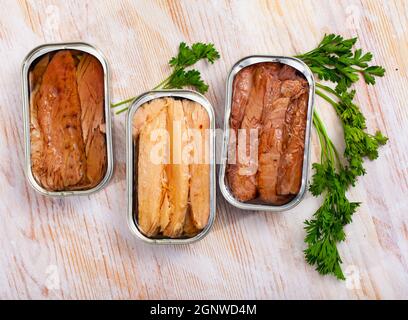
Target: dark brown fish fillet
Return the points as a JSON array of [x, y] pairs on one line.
[[294, 88], [272, 98], [242, 175], [241, 89], [290, 167], [58, 110], [271, 142], [287, 73]]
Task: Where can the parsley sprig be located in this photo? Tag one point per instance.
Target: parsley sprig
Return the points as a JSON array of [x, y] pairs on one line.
[[180, 77], [335, 61]]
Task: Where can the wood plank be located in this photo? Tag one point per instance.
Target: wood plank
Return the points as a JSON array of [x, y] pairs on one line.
[[81, 247]]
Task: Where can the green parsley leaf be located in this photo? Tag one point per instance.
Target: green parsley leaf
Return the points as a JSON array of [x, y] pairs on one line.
[[333, 60], [182, 78]]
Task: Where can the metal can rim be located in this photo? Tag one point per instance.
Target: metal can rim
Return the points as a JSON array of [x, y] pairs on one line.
[[305, 70], [139, 101], [27, 62]]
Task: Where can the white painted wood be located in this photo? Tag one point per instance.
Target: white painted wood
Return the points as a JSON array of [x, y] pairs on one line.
[[81, 247]]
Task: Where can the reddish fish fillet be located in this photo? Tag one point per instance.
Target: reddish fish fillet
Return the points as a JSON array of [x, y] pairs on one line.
[[294, 88], [58, 108], [91, 94], [242, 175], [271, 142], [241, 88], [290, 167], [287, 73], [36, 140], [270, 97]]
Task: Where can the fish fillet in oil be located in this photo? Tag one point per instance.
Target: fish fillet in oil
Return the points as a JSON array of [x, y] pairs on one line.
[[190, 229], [198, 124], [151, 179], [290, 168], [91, 94], [242, 175], [36, 140], [272, 98], [177, 170], [242, 88], [58, 110], [146, 113], [271, 142]]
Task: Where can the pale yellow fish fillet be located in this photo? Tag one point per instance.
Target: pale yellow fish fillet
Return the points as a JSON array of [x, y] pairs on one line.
[[145, 113], [198, 124], [165, 208], [151, 166], [177, 170], [190, 229]]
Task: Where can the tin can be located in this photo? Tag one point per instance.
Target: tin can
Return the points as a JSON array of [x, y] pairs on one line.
[[225, 190], [131, 147], [33, 56]]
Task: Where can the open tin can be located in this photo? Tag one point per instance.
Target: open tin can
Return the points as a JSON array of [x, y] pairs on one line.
[[225, 189], [131, 167], [31, 59]]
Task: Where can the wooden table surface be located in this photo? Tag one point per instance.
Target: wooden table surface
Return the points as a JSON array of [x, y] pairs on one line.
[[79, 248]]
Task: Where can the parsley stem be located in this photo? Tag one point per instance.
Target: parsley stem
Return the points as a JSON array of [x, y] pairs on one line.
[[114, 105], [329, 100], [327, 88], [329, 148], [320, 136], [303, 55], [121, 110], [163, 83], [326, 146]]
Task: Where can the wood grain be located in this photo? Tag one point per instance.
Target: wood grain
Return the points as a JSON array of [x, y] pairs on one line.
[[80, 248]]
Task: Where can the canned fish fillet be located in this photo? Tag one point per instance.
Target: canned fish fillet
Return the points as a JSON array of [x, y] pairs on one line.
[[268, 117], [67, 119], [170, 167]]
